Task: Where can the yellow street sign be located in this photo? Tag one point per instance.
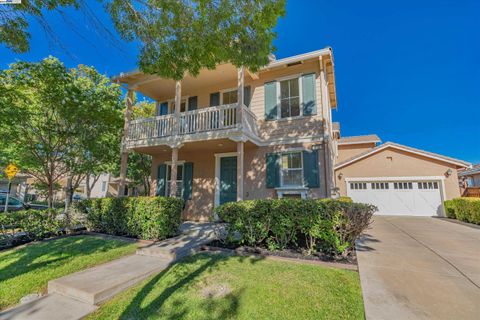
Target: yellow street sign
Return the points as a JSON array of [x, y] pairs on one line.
[[11, 171]]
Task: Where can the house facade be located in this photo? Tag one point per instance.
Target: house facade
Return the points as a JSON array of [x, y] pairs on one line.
[[230, 134]]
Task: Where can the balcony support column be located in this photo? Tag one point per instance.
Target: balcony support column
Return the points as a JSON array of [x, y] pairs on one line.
[[240, 156], [240, 93], [173, 173], [178, 103], [124, 152]]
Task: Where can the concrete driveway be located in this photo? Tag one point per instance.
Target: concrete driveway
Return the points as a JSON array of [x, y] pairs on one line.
[[420, 268]]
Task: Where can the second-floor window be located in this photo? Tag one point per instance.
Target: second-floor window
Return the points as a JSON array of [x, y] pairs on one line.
[[229, 97], [104, 186], [292, 169], [289, 98]]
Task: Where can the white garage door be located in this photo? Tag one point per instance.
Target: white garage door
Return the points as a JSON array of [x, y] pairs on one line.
[[412, 198]]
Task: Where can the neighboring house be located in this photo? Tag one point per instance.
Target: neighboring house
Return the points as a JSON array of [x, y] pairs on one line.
[[106, 186], [19, 185], [471, 176], [469, 180], [238, 134], [398, 179]]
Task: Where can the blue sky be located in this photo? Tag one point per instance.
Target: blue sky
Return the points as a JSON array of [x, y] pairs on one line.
[[408, 71]]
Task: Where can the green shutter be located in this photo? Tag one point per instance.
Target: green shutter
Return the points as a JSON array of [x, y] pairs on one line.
[[214, 99], [187, 180], [271, 100], [163, 109], [161, 179], [192, 103], [308, 94], [310, 169], [247, 95], [273, 170]]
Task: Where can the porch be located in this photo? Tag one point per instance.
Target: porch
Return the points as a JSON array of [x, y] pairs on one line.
[[224, 121]]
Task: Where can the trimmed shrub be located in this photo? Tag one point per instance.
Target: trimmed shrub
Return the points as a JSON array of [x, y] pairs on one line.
[[326, 225], [464, 209], [37, 225], [149, 218]]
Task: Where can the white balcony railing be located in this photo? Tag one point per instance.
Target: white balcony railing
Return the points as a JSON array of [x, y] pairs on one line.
[[193, 122]]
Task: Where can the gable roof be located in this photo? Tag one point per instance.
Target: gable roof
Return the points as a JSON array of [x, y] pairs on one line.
[[397, 146], [369, 138]]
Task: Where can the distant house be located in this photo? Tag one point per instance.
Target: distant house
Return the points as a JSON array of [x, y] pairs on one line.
[[470, 177], [469, 180], [105, 187]]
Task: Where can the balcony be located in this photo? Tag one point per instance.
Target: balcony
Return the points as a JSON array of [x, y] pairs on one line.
[[217, 122]]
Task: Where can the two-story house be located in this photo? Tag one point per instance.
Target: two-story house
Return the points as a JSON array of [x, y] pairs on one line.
[[230, 134]]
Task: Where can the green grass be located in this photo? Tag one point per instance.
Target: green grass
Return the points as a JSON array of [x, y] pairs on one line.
[[261, 289], [28, 269]]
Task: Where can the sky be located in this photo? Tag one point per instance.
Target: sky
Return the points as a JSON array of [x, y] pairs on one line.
[[408, 71]]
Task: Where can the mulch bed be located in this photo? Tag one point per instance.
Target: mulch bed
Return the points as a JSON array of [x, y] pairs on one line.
[[291, 254]]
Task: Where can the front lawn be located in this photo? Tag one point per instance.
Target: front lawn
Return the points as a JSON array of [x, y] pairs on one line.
[[28, 269], [209, 286]]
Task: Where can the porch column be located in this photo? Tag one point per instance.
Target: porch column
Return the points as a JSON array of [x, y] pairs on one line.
[[178, 102], [240, 88], [173, 173], [240, 149], [124, 152]]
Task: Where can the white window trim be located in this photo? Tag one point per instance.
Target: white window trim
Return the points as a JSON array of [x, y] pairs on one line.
[[169, 163], [171, 104], [221, 92], [279, 95], [282, 185], [218, 156]]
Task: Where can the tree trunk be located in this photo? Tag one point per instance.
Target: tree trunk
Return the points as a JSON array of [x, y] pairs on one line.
[[87, 185], [50, 193], [68, 193]]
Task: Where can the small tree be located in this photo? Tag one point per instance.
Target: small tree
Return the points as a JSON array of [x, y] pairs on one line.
[[57, 122]]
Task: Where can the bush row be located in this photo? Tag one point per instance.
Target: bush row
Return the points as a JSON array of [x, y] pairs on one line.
[[329, 226], [29, 225], [463, 209], [149, 218]]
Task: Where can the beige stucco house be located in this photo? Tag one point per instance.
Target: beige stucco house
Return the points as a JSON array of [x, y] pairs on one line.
[[231, 134], [398, 179]]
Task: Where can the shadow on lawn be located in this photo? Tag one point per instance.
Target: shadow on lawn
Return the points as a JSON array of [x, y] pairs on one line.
[[216, 308], [52, 253]]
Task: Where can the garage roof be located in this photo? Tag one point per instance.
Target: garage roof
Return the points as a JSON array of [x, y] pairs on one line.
[[369, 138], [397, 146]]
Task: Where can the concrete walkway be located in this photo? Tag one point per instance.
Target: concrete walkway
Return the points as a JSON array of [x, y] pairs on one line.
[[75, 296], [420, 268]]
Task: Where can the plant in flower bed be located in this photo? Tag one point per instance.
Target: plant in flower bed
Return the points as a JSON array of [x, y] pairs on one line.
[[29, 225], [464, 209], [322, 227], [149, 218]]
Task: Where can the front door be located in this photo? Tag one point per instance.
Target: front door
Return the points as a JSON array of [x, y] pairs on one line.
[[228, 179]]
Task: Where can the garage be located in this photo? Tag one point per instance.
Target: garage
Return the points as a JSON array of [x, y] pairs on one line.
[[398, 179], [417, 197]]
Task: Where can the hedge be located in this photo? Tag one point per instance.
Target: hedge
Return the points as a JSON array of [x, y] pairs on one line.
[[464, 209], [149, 218], [329, 226], [35, 224]]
